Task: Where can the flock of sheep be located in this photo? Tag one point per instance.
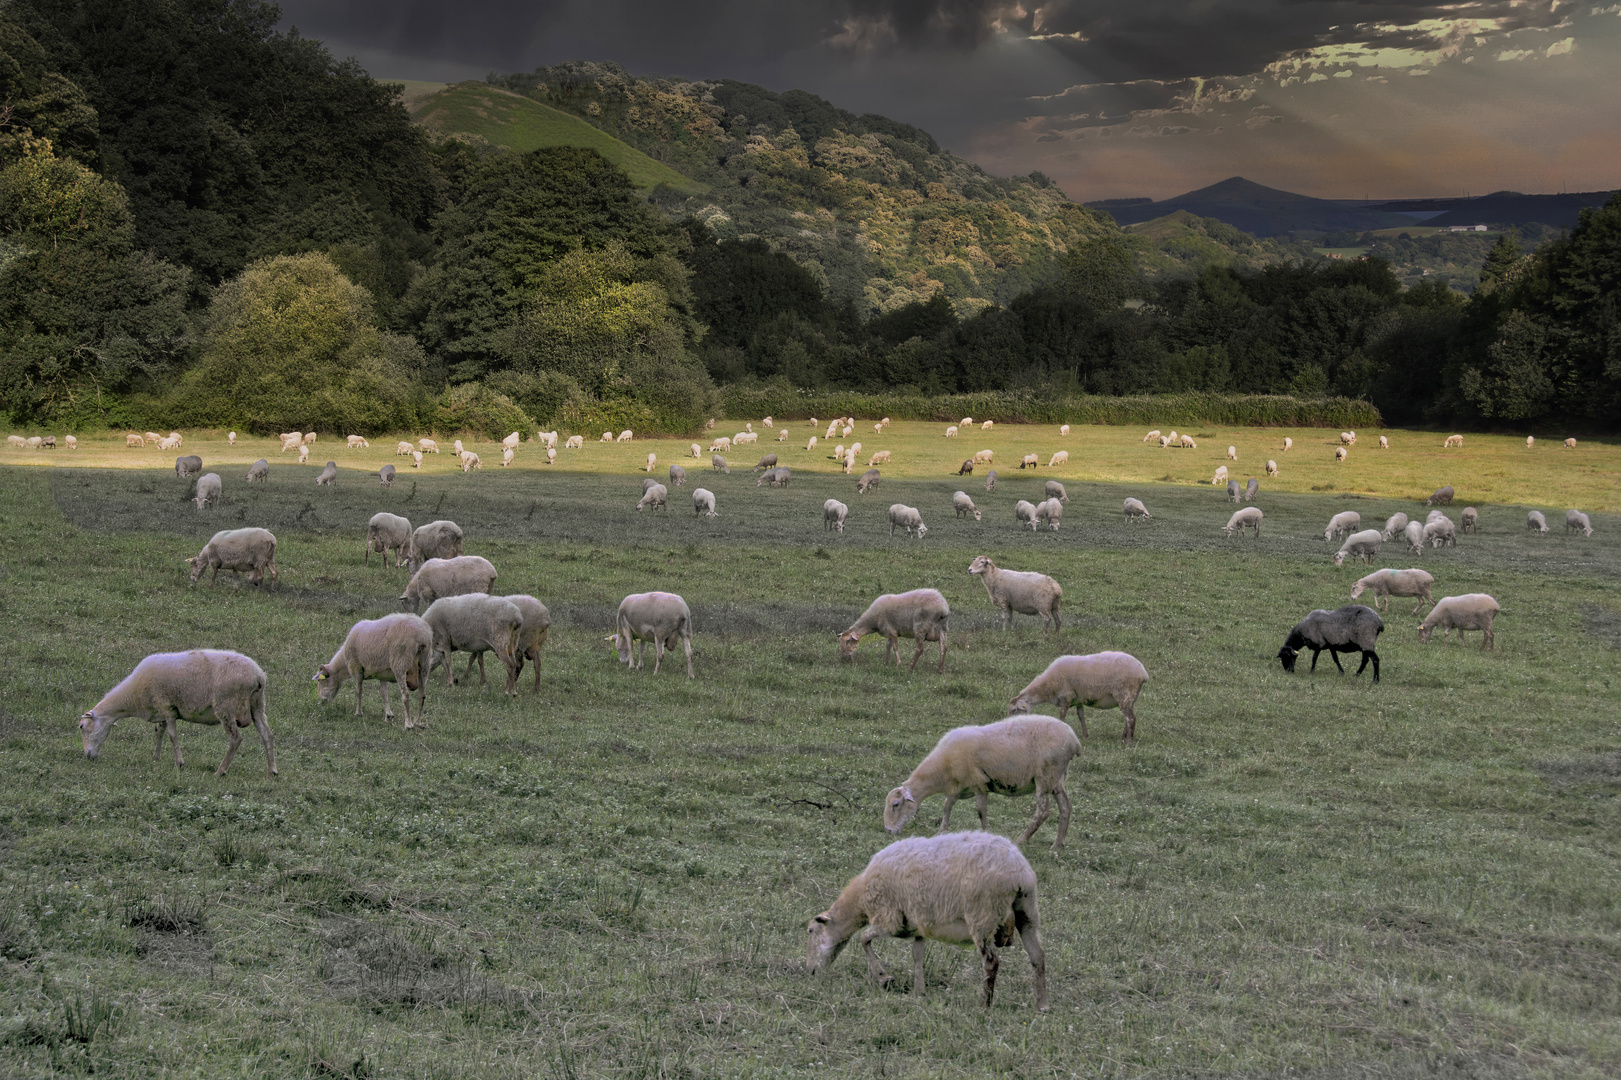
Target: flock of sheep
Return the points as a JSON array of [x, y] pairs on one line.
[[971, 888]]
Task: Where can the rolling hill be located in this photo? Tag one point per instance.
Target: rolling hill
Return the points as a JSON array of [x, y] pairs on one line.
[[1261, 211]]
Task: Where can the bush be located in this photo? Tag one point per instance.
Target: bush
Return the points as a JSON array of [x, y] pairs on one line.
[[541, 394], [475, 409]]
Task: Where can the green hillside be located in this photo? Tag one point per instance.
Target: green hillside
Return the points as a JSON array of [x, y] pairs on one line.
[[523, 124], [1182, 243]]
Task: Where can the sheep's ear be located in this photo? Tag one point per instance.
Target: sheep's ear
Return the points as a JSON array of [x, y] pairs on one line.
[[822, 919]]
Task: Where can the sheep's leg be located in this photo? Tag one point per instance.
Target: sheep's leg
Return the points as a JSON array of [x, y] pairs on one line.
[[1007, 617], [388, 710], [1334, 655], [534, 658], [1364, 663], [919, 947], [256, 709], [1487, 638], [1375, 658], [874, 967], [172, 728], [450, 671], [157, 751], [511, 662], [945, 818], [231, 732], [987, 953], [917, 652], [686, 643], [1028, 923], [1035, 823], [982, 806], [941, 667], [1080, 716], [1315, 653], [1063, 816], [1128, 708], [658, 652]]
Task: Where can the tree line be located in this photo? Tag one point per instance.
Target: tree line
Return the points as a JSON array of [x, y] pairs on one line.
[[206, 222]]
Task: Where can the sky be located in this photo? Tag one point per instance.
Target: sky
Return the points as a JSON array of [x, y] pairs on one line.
[[1111, 98]]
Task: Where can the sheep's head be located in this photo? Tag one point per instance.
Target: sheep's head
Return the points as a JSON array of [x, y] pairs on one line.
[[922, 530], [1020, 704], [824, 944], [93, 730], [1424, 632], [326, 687], [899, 809], [621, 645], [1288, 655], [1339, 559], [1358, 589], [976, 515], [198, 565], [847, 644]]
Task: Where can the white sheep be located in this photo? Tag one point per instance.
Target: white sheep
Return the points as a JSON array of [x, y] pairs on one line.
[[1103, 680], [1452, 440], [258, 472], [767, 422], [660, 617], [922, 615], [532, 635], [855, 448], [969, 888], [1442, 496], [1050, 511], [1232, 453], [416, 459], [385, 476], [984, 457], [697, 454], [833, 515], [951, 432], [387, 532], [236, 550], [838, 453], [718, 464], [508, 454], [1340, 455], [1136, 511], [1024, 512], [172, 442], [1384, 443], [130, 439], [908, 518], [720, 445], [470, 461], [230, 440], [1055, 490], [456, 576], [1287, 444], [574, 442], [1016, 756], [1536, 522], [1414, 536], [1025, 592], [964, 505], [1440, 533], [1575, 521], [1249, 515], [427, 446], [880, 458], [811, 445], [624, 436], [1187, 441], [703, 503], [1271, 467], [551, 455], [511, 441], [607, 436], [990, 480], [1233, 492], [401, 449], [356, 442], [208, 490], [1472, 611], [966, 421], [1395, 525], [396, 648], [1342, 524], [328, 475], [1029, 461], [1387, 583], [849, 461], [1348, 438], [202, 686], [308, 440], [1063, 429], [1469, 520], [782, 436], [1060, 458], [652, 460], [475, 623], [1570, 444], [303, 453], [1362, 545], [1219, 476], [678, 476], [987, 425], [654, 497], [1152, 435]]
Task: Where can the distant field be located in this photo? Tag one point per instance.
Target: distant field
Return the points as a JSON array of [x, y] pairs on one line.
[[1302, 875], [523, 124], [1342, 252]]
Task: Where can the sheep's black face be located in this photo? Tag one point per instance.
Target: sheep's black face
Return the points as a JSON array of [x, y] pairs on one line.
[[1287, 655]]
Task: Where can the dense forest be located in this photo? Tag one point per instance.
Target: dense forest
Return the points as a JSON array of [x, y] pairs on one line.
[[206, 222]]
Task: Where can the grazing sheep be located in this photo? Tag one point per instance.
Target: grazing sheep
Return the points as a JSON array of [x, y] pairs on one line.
[[811, 445], [1219, 476], [172, 442], [532, 635], [1063, 429], [951, 432], [1188, 443], [987, 425], [385, 476], [1387, 583], [551, 455], [868, 481], [969, 888], [1152, 435], [767, 422], [964, 505], [427, 446], [1050, 511], [1441, 497], [832, 430], [908, 518], [833, 515], [447, 577], [655, 496], [131, 439], [1026, 592], [574, 442], [647, 482], [922, 615], [188, 466], [966, 468], [396, 648], [1576, 521], [202, 686], [511, 441], [990, 480], [777, 477], [470, 461], [1104, 680], [73, 443], [782, 436], [1414, 535], [1440, 533], [1470, 520], [1016, 756], [624, 436], [1384, 443], [303, 453], [1232, 453], [236, 550], [678, 476], [966, 421], [357, 442], [1060, 458], [1339, 455], [718, 464], [328, 475], [475, 623], [154, 438], [387, 532], [416, 459], [1030, 461], [838, 453], [208, 490], [1252, 489], [1271, 467], [767, 462], [435, 540], [1570, 444], [660, 617], [1394, 526], [1234, 492], [1250, 515], [1342, 524], [607, 436], [1352, 628], [259, 472], [1472, 611], [855, 448], [1287, 444], [1363, 545], [703, 503], [745, 438], [1136, 511], [1348, 438], [1055, 490], [697, 453], [1452, 440], [984, 457], [308, 440], [401, 449], [508, 454], [652, 460], [880, 458], [1024, 512]]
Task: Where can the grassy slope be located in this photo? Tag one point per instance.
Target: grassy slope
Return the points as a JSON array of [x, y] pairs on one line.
[[1286, 871], [522, 124]]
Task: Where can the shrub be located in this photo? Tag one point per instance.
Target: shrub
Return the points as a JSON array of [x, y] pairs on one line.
[[475, 409], [541, 394]]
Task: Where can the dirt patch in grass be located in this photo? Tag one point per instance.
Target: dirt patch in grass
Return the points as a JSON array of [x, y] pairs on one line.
[[365, 962], [1603, 624], [1601, 768]]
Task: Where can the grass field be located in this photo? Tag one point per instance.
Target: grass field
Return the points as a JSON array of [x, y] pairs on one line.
[[523, 124], [1286, 875]]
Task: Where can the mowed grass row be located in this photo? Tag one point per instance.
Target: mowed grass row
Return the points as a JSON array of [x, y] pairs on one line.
[[612, 876]]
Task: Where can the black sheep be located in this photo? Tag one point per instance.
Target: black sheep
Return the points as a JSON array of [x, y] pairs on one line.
[[1353, 628]]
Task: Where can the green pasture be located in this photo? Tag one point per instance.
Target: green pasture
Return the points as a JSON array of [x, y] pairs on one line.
[[1299, 874]]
